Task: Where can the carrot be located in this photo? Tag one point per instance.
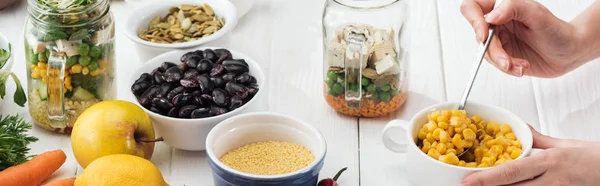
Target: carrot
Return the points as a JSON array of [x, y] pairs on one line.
[[63, 182], [34, 171]]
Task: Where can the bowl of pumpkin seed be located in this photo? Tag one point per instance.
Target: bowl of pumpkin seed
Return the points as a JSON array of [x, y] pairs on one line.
[[179, 24]]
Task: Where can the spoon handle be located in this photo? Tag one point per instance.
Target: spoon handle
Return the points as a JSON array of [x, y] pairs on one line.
[[480, 55]]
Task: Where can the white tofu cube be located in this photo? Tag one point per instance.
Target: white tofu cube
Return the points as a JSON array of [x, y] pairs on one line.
[[335, 54], [387, 65], [38, 47], [383, 49], [69, 47], [102, 36]]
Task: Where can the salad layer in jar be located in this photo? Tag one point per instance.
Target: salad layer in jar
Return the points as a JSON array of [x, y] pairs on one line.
[[70, 59]]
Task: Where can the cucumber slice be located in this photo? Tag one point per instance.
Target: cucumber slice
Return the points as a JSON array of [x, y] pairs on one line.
[[42, 90], [82, 94]]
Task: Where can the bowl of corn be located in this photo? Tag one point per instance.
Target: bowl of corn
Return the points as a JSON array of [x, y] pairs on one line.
[[453, 143], [265, 149]]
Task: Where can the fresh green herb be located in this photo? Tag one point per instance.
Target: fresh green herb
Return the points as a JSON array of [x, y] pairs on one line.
[[51, 35], [19, 97], [14, 141], [87, 82], [66, 4], [5, 55], [80, 35]]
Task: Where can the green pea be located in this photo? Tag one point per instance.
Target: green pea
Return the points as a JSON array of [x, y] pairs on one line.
[[72, 61], [353, 87], [338, 88], [330, 92], [331, 75], [365, 82], [42, 57], [375, 96], [34, 58], [94, 65], [329, 82], [84, 49], [386, 87], [95, 52], [384, 96], [371, 88], [84, 60]]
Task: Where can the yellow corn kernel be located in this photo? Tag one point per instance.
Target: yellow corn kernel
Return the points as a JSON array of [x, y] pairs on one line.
[[96, 72], [434, 144], [32, 66], [458, 130], [443, 125], [482, 165], [442, 119], [436, 133], [35, 73], [455, 121], [498, 135], [505, 128], [449, 145], [515, 153], [490, 143], [426, 146], [473, 127], [489, 129], [85, 70], [434, 115], [451, 131], [44, 80], [516, 144], [509, 149], [510, 136], [433, 153], [506, 156], [471, 164], [457, 141], [500, 161], [429, 137], [459, 150], [462, 163], [422, 134], [444, 137], [431, 125], [455, 113], [43, 72], [498, 149], [448, 151], [441, 148], [487, 138], [467, 143], [41, 65], [450, 158], [446, 113], [76, 69], [468, 134], [479, 151], [486, 160], [476, 118]]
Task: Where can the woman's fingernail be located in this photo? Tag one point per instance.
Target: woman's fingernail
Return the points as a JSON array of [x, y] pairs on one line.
[[503, 64], [491, 17], [479, 36], [520, 71]]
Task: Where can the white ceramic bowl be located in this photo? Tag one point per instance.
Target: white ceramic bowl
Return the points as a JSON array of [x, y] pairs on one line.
[[259, 127], [145, 11], [400, 136], [190, 134]]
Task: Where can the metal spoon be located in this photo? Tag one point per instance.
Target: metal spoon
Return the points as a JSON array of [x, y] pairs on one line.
[[480, 55]]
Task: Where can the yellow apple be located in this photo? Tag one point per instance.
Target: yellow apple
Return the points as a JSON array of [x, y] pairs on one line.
[[112, 127]]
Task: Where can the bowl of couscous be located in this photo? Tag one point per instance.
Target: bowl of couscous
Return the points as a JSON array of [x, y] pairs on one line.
[[451, 144], [265, 149]]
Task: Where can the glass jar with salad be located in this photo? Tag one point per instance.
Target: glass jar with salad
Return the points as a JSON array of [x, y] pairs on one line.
[[365, 56], [70, 59]]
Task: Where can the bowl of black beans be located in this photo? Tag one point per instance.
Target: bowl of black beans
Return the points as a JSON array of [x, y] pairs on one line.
[[187, 92]]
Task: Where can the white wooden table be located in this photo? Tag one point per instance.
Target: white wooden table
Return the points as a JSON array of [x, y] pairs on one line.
[[284, 36]]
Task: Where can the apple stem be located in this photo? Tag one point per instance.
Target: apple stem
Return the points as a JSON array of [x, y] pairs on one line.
[[152, 141]]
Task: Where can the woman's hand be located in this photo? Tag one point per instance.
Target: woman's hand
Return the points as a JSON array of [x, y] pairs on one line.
[[529, 39], [564, 162]]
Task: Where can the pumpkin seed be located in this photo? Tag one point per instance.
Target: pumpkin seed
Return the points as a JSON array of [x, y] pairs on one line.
[[395, 83], [208, 10], [370, 73], [385, 79]]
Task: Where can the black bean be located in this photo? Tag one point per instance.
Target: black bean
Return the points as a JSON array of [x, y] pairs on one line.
[[198, 101], [220, 97], [189, 82], [185, 111], [210, 55], [236, 90], [159, 78], [174, 112], [156, 110], [201, 113], [144, 77], [189, 55], [197, 93], [243, 79], [237, 69], [222, 55], [183, 67], [166, 65], [175, 91], [192, 62], [230, 76], [146, 99], [217, 69], [140, 87], [162, 104], [235, 103], [191, 73], [182, 100], [215, 111], [253, 80], [173, 74], [218, 81], [165, 88], [252, 91], [240, 62], [204, 66], [206, 85], [200, 53], [207, 99], [156, 70]]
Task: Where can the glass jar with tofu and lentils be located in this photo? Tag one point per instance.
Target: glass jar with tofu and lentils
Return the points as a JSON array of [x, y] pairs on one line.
[[69, 47], [365, 56]]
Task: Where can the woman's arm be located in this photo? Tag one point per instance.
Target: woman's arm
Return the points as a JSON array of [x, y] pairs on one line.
[[588, 32]]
